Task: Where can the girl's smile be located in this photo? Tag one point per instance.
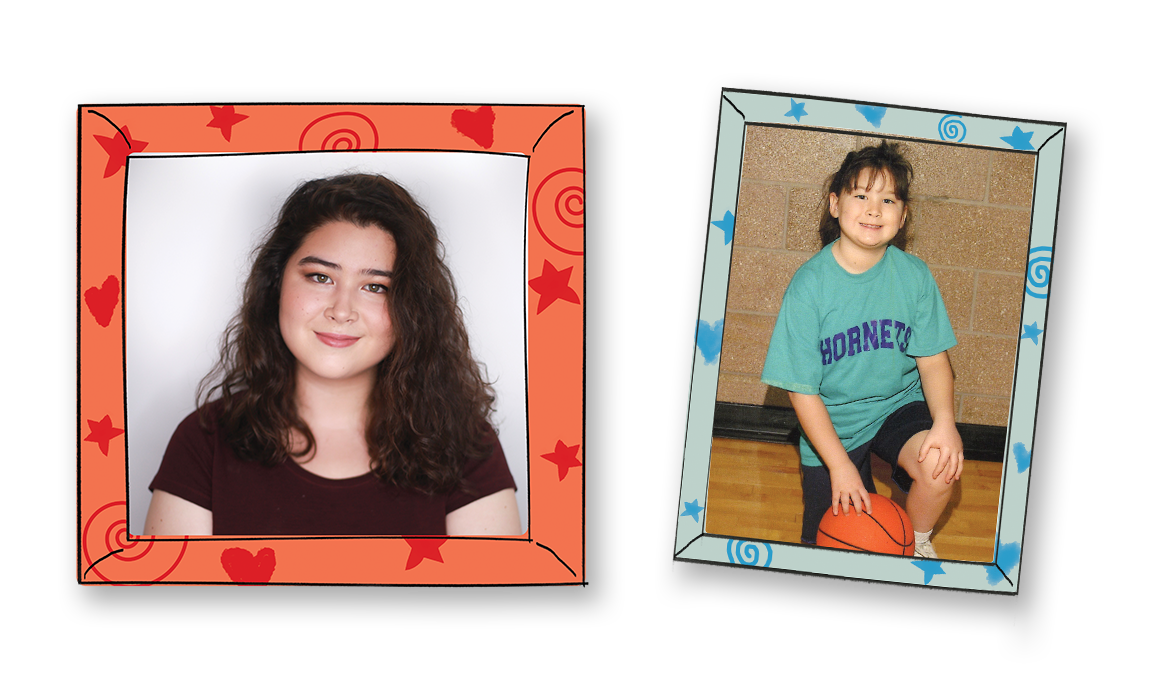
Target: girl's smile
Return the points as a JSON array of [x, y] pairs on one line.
[[339, 341]]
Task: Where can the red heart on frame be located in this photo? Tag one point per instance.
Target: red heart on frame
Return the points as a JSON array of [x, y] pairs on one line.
[[476, 125], [242, 567], [101, 302]]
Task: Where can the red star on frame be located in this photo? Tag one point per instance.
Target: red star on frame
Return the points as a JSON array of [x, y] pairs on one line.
[[563, 457], [225, 118], [424, 548], [552, 285], [102, 432], [118, 149]]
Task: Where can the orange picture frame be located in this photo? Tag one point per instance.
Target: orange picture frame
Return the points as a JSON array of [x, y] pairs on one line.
[[549, 137]]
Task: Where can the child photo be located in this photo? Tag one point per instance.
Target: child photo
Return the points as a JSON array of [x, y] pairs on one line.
[[868, 339]]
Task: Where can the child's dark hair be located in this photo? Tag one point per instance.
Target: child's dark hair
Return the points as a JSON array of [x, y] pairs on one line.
[[884, 158]]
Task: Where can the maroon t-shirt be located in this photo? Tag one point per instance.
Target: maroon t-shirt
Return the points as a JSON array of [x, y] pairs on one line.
[[251, 499]]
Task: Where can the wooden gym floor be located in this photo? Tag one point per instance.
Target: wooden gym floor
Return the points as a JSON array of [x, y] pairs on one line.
[[755, 492]]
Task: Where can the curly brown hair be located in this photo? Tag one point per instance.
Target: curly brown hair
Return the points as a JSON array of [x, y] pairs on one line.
[[883, 158], [430, 406]]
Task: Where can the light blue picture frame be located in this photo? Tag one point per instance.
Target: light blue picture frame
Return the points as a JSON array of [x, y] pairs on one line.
[[1044, 140]]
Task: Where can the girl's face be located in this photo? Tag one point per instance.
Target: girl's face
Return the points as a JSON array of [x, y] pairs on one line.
[[334, 302], [869, 217]]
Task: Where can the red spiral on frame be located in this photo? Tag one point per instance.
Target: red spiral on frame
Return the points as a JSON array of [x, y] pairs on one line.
[[570, 206], [106, 547], [342, 130], [559, 210]]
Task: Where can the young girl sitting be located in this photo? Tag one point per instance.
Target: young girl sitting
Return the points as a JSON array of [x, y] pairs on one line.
[[860, 345]]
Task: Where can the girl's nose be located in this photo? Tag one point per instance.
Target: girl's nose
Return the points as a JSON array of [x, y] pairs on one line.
[[341, 309]]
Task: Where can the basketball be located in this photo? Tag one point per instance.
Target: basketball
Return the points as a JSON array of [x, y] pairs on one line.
[[888, 530]]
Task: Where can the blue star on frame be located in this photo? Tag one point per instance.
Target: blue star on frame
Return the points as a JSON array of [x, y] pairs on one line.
[[1019, 139], [692, 510], [726, 225], [796, 110], [931, 568], [1031, 332]]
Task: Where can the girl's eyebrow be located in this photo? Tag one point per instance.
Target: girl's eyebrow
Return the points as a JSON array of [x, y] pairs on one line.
[[336, 266]]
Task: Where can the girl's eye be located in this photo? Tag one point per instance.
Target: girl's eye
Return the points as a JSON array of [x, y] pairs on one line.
[[327, 279], [376, 288], [888, 200]]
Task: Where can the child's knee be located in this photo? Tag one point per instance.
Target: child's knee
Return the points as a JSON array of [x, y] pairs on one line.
[[925, 474]]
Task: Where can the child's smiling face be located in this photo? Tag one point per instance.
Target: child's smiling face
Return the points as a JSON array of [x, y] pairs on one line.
[[869, 215]]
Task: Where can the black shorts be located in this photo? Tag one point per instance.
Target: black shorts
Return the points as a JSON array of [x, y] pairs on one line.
[[817, 490]]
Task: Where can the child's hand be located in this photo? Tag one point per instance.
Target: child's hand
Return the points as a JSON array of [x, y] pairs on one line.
[[848, 490], [944, 438]]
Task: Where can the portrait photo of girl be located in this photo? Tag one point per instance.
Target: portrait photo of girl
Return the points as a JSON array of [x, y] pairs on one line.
[[361, 388]]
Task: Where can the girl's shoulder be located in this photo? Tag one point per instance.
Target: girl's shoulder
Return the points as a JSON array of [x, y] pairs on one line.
[[905, 260], [912, 271], [817, 264], [818, 269]]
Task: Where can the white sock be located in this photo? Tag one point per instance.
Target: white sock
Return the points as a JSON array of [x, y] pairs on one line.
[[923, 536]]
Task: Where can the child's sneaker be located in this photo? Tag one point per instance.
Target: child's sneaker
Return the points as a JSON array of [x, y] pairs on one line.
[[925, 550]]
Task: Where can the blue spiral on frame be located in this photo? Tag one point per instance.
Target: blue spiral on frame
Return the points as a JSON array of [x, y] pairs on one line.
[[748, 553], [951, 128], [1038, 272]]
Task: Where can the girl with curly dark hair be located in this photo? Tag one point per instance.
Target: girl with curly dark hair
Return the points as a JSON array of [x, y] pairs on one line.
[[346, 400]]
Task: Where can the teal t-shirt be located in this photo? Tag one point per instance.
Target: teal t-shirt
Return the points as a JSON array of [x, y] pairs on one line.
[[854, 340]]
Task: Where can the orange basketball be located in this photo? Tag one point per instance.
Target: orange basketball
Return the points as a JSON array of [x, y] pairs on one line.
[[887, 530]]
